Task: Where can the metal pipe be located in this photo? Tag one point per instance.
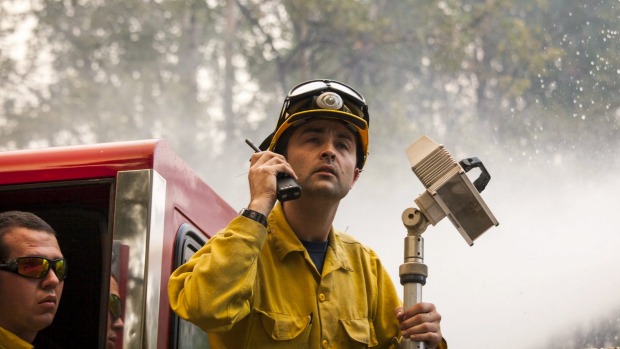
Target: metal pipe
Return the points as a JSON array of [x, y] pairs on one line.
[[413, 271]]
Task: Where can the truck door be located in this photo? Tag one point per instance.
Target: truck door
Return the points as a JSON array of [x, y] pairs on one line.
[[186, 335], [126, 213]]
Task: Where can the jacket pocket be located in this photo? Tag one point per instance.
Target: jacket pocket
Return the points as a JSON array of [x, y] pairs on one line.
[[273, 330], [360, 331]]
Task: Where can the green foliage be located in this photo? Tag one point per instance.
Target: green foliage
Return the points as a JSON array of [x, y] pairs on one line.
[[213, 72]]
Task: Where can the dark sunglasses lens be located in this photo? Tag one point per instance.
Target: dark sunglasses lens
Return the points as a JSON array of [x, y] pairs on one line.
[[116, 307], [60, 268], [33, 267]]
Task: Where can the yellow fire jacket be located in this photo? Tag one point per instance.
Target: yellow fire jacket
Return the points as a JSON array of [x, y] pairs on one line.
[[10, 341], [252, 287]]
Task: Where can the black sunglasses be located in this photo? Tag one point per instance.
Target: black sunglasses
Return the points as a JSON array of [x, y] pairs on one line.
[[116, 307], [36, 267]]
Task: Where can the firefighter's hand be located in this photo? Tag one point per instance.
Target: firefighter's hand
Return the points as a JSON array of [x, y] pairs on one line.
[[420, 323], [262, 176]]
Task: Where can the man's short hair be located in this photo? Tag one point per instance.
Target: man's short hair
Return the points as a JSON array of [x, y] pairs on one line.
[[10, 220]]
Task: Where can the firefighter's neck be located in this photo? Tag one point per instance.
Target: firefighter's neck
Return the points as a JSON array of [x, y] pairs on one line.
[[311, 220]]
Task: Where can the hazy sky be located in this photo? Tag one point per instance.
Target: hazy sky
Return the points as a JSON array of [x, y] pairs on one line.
[[546, 269]]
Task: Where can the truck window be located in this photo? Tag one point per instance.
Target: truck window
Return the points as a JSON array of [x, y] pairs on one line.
[[186, 335], [79, 212]]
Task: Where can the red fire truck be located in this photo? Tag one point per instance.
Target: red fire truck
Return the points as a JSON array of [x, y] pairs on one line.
[[133, 210]]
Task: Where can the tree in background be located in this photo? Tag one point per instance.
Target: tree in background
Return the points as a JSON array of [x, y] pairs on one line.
[[525, 76]]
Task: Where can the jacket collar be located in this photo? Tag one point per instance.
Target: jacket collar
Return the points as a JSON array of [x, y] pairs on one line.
[[284, 241]]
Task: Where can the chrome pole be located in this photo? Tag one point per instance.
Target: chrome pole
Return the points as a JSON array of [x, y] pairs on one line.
[[413, 271]]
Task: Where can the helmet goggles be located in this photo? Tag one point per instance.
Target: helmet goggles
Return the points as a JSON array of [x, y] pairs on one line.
[[323, 99]]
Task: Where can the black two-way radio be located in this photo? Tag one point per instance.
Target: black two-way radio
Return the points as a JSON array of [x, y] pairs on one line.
[[287, 187]]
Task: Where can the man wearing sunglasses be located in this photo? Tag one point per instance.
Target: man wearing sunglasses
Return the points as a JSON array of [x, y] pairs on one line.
[[281, 276], [32, 271], [115, 321]]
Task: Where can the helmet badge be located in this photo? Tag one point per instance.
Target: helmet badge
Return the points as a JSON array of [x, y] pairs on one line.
[[329, 100]]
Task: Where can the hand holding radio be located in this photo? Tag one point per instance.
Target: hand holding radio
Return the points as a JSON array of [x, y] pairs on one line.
[[286, 186]]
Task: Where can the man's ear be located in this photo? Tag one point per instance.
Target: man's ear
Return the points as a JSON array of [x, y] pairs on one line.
[[356, 175]]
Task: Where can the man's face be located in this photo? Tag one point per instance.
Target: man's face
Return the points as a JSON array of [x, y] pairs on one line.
[[29, 305], [114, 325], [322, 153]]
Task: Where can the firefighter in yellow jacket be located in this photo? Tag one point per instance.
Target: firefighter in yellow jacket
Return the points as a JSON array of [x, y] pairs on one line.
[[279, 275]]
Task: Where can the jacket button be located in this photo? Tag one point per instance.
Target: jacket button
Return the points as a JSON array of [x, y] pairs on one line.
[[324, 343], [322, 297]]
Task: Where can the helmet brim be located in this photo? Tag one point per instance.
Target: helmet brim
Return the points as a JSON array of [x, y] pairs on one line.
[[358, 125]]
